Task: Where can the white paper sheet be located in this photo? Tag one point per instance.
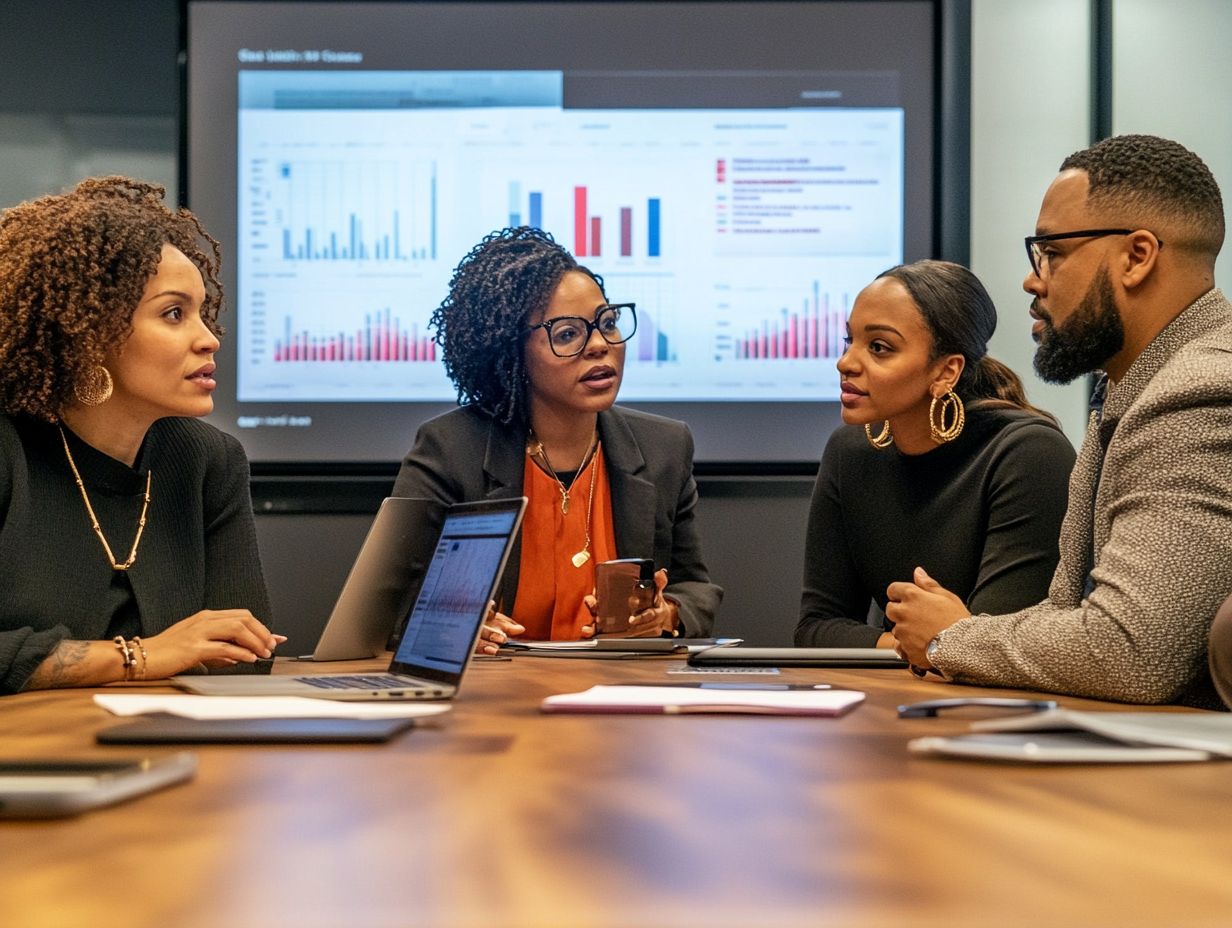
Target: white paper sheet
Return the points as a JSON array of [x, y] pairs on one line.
[[263, 707], [673, 700]]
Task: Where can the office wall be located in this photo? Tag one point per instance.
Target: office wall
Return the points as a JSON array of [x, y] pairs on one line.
[[1030, 73], [85, 89], [1172, 76], [89, 88]]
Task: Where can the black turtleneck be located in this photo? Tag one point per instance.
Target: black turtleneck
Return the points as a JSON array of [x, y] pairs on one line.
[[199, 549], [981, 514]]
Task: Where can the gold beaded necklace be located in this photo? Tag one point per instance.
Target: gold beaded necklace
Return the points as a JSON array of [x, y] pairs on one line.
[[132, 555]]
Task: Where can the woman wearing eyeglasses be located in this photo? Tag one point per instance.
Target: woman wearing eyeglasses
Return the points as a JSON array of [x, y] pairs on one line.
[[537, 354]]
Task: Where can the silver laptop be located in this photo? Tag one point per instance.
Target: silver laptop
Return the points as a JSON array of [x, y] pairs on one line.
[[441, 630], [383, 582]]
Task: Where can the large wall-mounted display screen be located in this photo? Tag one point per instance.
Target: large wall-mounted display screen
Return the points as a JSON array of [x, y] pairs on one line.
[[739, 170]]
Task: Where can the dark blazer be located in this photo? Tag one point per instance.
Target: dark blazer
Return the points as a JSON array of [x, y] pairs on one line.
[[466, 455]]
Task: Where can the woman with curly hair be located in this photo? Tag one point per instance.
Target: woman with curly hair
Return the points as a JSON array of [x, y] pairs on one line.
[[127, 544], [537, 354]]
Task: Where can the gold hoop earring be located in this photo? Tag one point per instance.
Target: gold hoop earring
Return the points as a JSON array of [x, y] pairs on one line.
[[883, 439], [951, 406], [95, 388]]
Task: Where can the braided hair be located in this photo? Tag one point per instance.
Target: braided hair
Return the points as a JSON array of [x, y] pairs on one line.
[[481, 325]]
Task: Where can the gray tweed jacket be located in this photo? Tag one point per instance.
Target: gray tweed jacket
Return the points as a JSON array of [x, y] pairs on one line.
[[1152, 529]]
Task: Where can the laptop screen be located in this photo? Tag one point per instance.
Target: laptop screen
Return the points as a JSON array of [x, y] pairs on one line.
[[460, 581]]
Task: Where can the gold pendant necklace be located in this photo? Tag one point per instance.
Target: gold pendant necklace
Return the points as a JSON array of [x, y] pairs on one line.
[[145, 506], [584, 555], [534, 448]]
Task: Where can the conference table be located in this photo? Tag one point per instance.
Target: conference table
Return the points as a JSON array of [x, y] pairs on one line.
[[495, 814]]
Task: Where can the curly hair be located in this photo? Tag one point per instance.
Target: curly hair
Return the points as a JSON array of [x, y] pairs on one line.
[[1143, 178], [481, 325], [72, 271]]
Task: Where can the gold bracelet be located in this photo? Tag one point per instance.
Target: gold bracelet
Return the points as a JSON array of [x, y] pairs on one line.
[[126, 654], [136, 643]]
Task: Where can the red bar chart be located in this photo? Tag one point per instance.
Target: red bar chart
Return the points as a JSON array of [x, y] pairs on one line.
[[815, 330], [383, 337]]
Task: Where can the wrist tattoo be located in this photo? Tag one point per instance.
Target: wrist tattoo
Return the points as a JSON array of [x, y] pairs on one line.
[[61, 667]]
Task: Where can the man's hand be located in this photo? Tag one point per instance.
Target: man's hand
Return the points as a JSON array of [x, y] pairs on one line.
[[919, 611]]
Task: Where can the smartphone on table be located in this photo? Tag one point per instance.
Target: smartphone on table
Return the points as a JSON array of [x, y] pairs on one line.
[[49, 788], [623, 587]]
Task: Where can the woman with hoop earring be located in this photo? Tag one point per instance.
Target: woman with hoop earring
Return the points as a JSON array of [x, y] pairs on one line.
[[941, 464], [126, 525]]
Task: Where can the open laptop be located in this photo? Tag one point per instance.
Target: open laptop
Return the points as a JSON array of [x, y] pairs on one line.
[[441, 630], [383, 582]]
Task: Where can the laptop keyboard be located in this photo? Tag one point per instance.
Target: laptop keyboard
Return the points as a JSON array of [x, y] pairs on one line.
[[364, 682]]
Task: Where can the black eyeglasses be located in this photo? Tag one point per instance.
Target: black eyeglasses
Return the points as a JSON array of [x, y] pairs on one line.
[[568, 336], [1039, 260]]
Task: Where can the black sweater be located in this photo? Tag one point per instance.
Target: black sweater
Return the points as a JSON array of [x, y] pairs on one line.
[[199, 550], [981, 514]]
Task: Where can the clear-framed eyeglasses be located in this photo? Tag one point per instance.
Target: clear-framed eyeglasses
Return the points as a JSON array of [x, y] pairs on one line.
[[568, 336]]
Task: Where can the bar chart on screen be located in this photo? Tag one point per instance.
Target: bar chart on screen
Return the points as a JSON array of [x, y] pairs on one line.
[[771, 340], [740, 234], [594, 235], [814, 328], [381, 337], [330, 345], [355, 210]]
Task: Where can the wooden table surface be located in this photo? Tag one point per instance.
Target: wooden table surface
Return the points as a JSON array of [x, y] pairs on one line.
[[495, 814]]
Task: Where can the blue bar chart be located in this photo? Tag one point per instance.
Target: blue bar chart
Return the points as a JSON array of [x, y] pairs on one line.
[[652, 344], [345, 211]]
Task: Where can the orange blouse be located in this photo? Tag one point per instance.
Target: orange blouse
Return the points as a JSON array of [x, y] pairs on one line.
[[550, 589]]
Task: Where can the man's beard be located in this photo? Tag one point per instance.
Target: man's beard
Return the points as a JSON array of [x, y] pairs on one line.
[[1086, 340]]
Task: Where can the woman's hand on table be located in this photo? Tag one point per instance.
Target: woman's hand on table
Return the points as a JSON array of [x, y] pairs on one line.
[[213, 637], [497, 629]]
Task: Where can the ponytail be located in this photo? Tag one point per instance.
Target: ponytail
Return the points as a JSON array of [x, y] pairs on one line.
[[991, 384], [961, 317]]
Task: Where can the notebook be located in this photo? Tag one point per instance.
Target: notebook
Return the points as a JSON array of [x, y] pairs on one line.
[[616, 649], [797, 657], [174, 729], [1071, 736], [599, 648], [383, 582], [441, 629]]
